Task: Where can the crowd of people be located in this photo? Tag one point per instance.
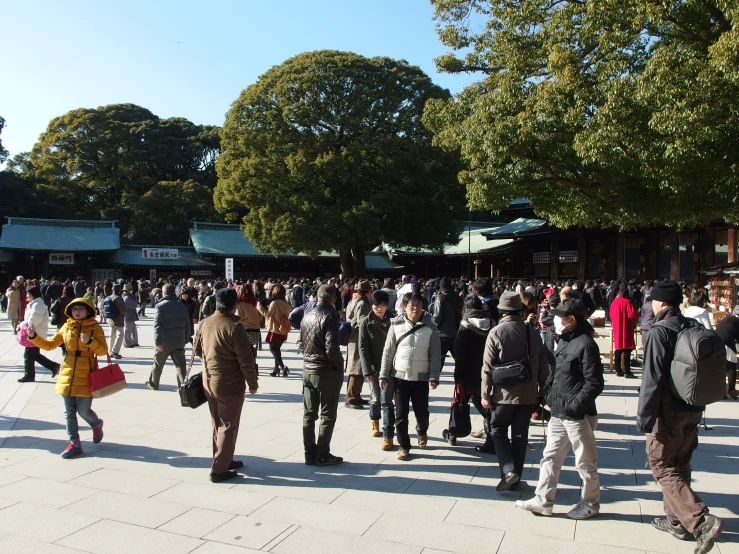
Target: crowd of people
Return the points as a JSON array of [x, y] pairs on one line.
[[521, 351]]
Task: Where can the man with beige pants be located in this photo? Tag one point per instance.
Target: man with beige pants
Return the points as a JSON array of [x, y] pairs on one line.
[[571, 392]]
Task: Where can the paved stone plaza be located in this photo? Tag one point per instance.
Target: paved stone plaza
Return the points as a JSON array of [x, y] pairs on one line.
[[145, 488]]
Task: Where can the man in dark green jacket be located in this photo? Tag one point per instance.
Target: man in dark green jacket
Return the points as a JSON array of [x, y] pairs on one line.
[[373, 329]]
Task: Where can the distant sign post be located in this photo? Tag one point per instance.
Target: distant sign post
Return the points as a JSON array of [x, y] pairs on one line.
[[160, 253], [229, 268]]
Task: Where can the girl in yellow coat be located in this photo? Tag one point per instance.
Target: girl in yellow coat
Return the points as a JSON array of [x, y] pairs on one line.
[[83, 338]]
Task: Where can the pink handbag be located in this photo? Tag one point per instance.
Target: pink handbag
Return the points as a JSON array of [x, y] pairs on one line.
[[23, 338], [107, 380]]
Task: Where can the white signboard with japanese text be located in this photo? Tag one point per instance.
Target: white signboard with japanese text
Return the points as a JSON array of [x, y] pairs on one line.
[[229, 268], [66, 258], [200, 272], [160, 253]]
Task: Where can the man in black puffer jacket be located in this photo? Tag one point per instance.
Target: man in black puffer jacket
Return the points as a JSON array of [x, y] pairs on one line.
[[447, 317], [571, 391], [323, 376]]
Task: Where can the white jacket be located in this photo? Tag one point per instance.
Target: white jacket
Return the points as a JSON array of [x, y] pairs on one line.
[[38, 314], [699, 314], [417, 357]]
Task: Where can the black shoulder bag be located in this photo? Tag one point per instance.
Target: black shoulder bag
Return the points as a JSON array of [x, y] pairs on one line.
[[514, 373], [192, 392]]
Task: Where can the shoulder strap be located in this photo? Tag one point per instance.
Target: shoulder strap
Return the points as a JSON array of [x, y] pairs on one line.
[[194, 347], [528, 341], [409, 333]]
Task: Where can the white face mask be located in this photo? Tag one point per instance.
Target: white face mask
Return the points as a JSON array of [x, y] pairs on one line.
[[559, 328]]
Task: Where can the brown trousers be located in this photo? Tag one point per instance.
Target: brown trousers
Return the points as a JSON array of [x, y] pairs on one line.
[[225, 414], [354, 388], [669, 457]]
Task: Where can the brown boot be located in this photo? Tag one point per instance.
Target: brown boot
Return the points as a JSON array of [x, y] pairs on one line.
[[375, 430], [387, 443]]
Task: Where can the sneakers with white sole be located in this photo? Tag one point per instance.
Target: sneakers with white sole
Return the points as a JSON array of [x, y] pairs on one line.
[[583, 511], [535, 506]]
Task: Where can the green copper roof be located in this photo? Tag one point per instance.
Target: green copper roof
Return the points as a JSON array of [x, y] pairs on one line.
[[59, 235], [520, 226]]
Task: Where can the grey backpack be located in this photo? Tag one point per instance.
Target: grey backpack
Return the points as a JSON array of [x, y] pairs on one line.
[[698, 370]]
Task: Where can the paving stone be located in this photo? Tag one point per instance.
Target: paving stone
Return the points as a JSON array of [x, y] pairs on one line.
[[11, 544], [212, 497], [146, 512], [196, 522], [113, 537], [45, 493], [41, 523], [313, 541], [250, 532], [124, 482]]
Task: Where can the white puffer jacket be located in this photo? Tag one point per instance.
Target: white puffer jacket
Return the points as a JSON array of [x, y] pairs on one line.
[[38, 314], [418, 356]]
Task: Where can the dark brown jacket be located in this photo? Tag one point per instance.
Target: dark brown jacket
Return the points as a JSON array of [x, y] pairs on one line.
[[227, 356]]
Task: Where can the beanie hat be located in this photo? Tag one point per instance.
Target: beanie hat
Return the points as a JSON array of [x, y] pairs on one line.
[[446, 283], [326, 292], [668, 292]]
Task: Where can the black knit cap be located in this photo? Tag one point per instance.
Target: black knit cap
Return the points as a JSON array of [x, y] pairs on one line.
[[668, 292], [226, 299]]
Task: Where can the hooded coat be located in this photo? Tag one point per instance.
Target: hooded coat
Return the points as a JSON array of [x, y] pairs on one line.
[[358, 308], [372, 336], [470, 348], [74, 376]]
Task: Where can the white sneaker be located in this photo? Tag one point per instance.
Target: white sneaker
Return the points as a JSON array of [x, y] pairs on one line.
[[583, 511], [535, 506]]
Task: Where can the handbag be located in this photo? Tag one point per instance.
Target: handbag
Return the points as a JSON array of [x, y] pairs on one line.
[[106, 380], [460, 424], [23, 338], [192, 392], [514, 373]]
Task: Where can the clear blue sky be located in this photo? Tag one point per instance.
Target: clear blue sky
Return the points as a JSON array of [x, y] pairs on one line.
[[184, 58]]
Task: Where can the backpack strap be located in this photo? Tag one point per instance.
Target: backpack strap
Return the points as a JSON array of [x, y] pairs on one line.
[[409, 333]]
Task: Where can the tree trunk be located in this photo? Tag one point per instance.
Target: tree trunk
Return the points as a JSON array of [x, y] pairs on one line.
[[347, 262], [360, 269]]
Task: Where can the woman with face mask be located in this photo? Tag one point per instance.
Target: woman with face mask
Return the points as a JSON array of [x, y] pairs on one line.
[[571, 390], [373, 330]]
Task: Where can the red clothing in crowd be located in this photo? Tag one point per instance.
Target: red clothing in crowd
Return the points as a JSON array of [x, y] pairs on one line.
[[623, 315]]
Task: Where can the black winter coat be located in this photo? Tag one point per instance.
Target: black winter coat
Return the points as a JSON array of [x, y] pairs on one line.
[[448, 313], [655, 398], [371, 342], [319, 340], [577, 379], [728, 330], [470, 350]]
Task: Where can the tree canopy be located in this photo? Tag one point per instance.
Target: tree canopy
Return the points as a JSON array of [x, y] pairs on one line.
[[327, 152], [3, 151], [101, 164], [601, 112]]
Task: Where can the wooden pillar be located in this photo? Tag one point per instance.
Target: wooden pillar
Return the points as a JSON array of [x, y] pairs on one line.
[[651, 247], [674, 255], [554, 256], [620, 257], [582, 254], [732, 243]]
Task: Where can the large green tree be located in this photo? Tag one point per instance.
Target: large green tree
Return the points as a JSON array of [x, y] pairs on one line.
[[327, 152], [100, 163], [602, 112]]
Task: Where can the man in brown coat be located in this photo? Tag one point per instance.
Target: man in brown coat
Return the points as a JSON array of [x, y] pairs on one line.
[[356, 310], [229, 366]]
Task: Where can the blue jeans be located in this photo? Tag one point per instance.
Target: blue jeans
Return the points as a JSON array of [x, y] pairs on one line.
[[375, 410], [74, 405], [388, 409]]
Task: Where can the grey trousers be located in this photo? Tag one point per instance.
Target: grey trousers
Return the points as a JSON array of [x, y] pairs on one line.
[[563, 434], [160, 358], [320, 395], [116, 339], [130, 334]]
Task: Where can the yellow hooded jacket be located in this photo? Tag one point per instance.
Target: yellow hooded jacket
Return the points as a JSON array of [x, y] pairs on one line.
[[74, 377]]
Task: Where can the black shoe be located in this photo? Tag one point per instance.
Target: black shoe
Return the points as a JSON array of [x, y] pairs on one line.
[[630, 375], [26, 379], [225, 476], [677, 531], [448, 437], [275, 372], [363, 402], [329, 460], [55, 372], [150, 386], [310, 459], [116, 356], [708, 532], [619, 374], [508, 482], [486, 449], [353, 406], [236, 464], [285, 372]]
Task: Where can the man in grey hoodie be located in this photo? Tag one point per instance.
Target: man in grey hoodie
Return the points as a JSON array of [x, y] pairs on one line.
[[411, 363]]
